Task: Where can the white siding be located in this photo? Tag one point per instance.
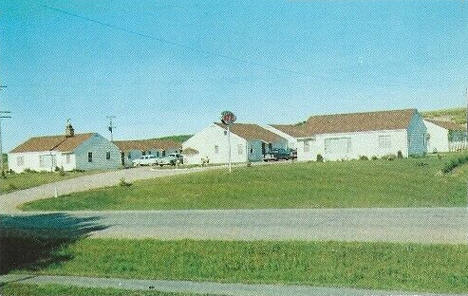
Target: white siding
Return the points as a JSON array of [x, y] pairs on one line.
[[438, 138], [206, 140], [99, 146], [353, 145], [31, 160]]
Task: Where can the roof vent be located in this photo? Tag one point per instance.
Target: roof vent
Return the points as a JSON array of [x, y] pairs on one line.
[[69, 130]]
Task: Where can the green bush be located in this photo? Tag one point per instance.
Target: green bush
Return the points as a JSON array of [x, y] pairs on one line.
[[374, 157], [363, 157], [319, 158], [399, 154], [452, 163], [389, 157], [11, 187]]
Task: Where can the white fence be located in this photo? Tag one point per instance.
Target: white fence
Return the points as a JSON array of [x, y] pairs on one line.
[[458, 146]]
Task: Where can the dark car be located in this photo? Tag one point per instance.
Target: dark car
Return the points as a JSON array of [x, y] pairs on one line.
[[277, 154]]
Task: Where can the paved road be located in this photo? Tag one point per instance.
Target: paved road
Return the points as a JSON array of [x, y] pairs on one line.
[[201, 287], [9, 202], [423, 225]]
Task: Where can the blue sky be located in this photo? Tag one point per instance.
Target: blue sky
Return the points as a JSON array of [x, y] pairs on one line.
[[267, 61]]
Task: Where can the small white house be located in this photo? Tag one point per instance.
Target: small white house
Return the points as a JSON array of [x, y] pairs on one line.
[[445, 136], [349, 136], [249, 142], [70, 151], [134, 149]]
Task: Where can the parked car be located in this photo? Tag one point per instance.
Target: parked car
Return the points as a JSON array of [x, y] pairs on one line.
[[277, 154], [171, 159], [146, 160]]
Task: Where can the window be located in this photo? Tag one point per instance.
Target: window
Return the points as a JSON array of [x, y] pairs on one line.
[[240, 149], [129, 155], [307, 146], [67, 158], [143, 153], [216, 149], [163, 153], [43, 159], [385, 141], [108, 155], [157, 153], [149, 152], [20, 161], [225, 133], [338, 145], [90, 156]]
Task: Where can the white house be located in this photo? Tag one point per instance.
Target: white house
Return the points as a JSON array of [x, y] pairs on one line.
[[445, 136], [69, 151], [134, 149], [249, 142], [349, 136]]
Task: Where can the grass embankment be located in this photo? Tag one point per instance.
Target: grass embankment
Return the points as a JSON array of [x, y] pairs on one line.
[[456, 115], [16, 289], [14, 182], [379, 183], [388, 266]]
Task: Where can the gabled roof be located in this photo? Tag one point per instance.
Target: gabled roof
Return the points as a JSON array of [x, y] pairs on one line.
[[447, 125], [350, 122], [250, 131], [292, 130], [146, 145], [190, 151], [52, 143]]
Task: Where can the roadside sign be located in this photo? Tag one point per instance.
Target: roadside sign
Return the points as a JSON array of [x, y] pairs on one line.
[[228, 118]]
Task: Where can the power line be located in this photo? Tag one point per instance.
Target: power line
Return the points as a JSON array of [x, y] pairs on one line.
[[165, 41]]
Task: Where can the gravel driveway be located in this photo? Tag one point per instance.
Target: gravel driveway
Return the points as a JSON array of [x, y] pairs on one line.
[[10, 201]]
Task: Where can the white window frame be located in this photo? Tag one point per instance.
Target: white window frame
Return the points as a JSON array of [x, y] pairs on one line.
[[20, 160], [216, 149], [108, 155], [67, 158], [326, 143], [385, 141], [42, 163], [307, 146], [240, 149]]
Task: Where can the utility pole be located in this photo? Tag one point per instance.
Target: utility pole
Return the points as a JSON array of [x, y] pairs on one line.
[[3, 115], [111, 126]]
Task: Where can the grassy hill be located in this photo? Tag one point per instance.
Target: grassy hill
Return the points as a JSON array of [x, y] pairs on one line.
[[456, 115], [177, 138]]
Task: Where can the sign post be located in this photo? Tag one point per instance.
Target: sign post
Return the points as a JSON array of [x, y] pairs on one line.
[[228, 118]]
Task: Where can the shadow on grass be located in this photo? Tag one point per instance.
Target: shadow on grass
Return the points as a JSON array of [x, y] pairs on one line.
[[31, 241]]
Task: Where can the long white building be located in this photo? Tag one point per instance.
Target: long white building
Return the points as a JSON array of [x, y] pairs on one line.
[[349, 136]]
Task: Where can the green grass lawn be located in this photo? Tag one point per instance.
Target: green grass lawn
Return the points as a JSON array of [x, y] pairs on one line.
[[380, 183], [15, 289], [387, 266], [21, 181]]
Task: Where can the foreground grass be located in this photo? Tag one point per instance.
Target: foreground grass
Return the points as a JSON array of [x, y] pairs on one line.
[[21, 181], [15, 289], [398, 183], [387, 266]]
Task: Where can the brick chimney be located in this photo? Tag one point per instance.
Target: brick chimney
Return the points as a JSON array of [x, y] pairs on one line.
[[69, 130]]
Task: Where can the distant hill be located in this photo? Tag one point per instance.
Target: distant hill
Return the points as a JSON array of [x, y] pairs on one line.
[[176, 138], [455, 115]]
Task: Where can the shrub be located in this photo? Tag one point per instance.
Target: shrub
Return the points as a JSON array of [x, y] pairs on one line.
[[374, 157], [3, 175], [451, 164], [439, 156], [319, 158], [421, 164], [124, 183], [61, 172], [399, 154], [11, 187], [363, 157], [389, 157]]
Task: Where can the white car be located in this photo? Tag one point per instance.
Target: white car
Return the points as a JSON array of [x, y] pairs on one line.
[[146, 160]]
